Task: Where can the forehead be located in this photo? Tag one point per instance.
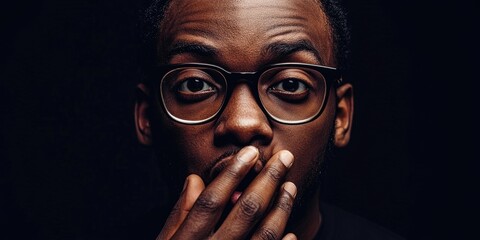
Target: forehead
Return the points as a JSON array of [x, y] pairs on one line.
[[245, 28]]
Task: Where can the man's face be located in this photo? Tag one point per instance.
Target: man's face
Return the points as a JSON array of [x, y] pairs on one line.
[[243, 36]]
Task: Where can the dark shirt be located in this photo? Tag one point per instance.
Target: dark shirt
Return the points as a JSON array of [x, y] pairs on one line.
[[338, 224]]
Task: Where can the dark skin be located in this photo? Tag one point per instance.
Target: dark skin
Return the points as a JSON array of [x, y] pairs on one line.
[[217, 156]]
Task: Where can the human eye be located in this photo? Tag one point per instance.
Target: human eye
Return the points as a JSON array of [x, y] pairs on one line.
[[290, 86], [194, 86]]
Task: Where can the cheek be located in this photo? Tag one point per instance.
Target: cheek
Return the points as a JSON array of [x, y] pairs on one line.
[[185, 147], [308, 147], [196, 147], [308, 143]]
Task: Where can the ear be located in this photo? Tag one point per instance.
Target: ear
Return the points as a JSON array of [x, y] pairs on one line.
[[343, 121], [142, 118]]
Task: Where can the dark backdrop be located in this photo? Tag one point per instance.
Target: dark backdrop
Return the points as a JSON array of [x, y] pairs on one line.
[[71, 166]]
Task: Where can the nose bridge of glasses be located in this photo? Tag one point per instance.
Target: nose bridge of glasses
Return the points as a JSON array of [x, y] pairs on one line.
[[235, 78], [243, 107]]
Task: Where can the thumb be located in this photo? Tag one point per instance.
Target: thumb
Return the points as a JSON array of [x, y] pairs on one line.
[[193, 187]]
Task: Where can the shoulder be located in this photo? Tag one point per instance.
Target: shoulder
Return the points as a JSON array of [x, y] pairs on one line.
[[342, 225]]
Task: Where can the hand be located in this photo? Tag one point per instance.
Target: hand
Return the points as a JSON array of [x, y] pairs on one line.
[[199, 208]]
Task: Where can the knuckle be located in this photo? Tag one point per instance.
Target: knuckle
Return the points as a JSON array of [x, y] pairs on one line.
[[268, 234], [285, 203], [274, 173], [232, 173], [250, 207], [207, 202]]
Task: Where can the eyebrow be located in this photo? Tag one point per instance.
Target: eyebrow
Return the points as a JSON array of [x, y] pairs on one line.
[[282, 49], [193, 48], [277, 50]]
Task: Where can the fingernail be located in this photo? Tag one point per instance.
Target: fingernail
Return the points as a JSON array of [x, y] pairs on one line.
[[286, 158], [185, 184], [247, 154], [290, 188], [290, 236]]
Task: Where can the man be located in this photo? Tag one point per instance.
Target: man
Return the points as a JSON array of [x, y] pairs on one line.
[[243, 102]]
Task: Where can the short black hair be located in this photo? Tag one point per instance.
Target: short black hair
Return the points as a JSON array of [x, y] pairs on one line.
[[336, 15]]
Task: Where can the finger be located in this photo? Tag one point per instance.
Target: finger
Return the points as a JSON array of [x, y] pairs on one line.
[[256, 198], [209, 206], [273, 225], [192, 189], [290, 236]]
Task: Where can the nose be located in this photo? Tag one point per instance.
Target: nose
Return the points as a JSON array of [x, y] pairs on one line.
[[242, 122]]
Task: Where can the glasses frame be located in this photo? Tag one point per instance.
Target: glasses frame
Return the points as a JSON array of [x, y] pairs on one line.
[[331, 75]]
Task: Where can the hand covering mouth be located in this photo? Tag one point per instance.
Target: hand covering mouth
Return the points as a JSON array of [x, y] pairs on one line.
[[227, 159]]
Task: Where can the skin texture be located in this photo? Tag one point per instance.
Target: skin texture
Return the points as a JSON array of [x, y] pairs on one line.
[[241, 36]]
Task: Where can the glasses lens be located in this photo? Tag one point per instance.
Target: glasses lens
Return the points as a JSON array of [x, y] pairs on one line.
[[292, 94], [193, 94]]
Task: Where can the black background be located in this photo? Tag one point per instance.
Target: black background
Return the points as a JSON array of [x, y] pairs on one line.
[[72, 169]]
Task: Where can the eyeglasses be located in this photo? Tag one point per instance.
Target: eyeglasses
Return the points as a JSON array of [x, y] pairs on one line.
[[289, 93]]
